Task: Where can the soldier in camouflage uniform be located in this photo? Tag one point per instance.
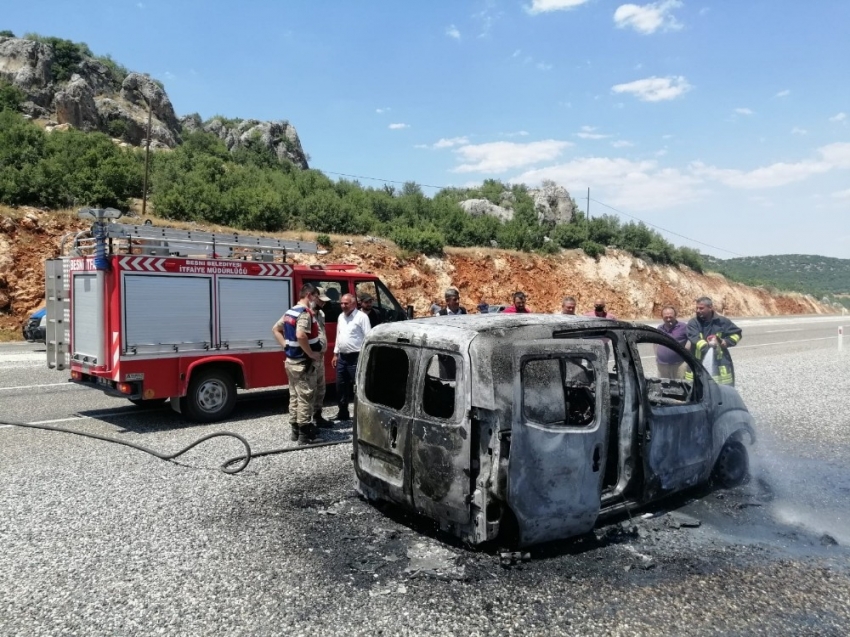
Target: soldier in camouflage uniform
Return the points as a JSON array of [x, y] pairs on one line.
[[297, 331]]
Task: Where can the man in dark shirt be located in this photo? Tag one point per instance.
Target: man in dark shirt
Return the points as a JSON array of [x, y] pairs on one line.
[[366, 302], [669, 363]]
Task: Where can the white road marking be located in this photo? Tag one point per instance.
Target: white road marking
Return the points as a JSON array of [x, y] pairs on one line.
[[24, 357], [778, 331], [806, 340], [33, 386], [50, 422]]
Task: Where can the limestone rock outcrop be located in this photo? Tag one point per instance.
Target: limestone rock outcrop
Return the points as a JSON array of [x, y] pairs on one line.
[[100, 97]]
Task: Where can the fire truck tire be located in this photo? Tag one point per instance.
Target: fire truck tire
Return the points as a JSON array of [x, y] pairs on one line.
[[151, 402], [211, 396]]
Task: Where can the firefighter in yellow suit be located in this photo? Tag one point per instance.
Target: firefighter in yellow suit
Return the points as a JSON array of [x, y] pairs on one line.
[[712, 335]]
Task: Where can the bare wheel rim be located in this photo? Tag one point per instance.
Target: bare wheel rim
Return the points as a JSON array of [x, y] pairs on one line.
[[212, 395], [733, 464]]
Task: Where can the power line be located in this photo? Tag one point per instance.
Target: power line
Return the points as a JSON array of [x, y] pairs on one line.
[[681, 236], [589, 199]]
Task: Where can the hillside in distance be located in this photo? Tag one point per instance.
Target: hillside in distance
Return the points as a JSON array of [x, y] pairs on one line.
[[806, 273]]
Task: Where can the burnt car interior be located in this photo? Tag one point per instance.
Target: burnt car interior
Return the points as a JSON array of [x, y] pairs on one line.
[[438, 397], [386, 388]]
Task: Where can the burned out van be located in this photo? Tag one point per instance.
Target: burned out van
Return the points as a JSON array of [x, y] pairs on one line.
[[536, 424]]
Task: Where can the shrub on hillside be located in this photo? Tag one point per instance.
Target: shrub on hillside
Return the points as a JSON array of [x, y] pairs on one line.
[[426, 241], [593, 249], [11, 97]]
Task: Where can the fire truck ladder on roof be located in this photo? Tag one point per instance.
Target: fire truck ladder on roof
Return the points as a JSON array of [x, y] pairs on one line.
[[58, 308], [153, 240]]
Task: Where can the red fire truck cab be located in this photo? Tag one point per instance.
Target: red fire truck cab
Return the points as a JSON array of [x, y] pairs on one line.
[[150, 313]]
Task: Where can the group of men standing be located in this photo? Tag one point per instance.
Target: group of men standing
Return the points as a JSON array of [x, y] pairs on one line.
[[708, 334], [301, 333]]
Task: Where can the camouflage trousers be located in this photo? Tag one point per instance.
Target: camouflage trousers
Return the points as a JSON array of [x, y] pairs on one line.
[[302, 376], [319, 399]]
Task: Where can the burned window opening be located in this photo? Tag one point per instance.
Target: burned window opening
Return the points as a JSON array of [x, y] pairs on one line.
[[386, 376], [440, 387], [559, 391], [661, 389]]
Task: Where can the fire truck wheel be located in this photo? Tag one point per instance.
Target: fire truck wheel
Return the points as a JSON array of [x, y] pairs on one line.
[[151, 402], [211, 396]]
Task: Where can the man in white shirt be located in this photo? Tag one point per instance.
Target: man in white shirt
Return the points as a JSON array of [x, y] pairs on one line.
[[351, 330]]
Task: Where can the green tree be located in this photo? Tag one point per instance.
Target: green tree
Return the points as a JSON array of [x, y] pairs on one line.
[[11, 97]]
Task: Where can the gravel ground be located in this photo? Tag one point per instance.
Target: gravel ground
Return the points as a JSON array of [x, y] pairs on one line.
[[98, 539]]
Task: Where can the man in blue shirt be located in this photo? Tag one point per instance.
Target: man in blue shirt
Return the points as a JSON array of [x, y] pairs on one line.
[[669, 363]]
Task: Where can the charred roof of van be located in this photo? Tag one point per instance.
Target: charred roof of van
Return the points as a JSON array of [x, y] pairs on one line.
[[483, 323]]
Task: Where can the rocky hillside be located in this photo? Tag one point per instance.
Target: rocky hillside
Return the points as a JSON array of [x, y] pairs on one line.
[[64, 84], [632, 288]]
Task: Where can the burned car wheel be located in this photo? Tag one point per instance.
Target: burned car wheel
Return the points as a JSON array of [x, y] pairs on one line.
[[733, 465]]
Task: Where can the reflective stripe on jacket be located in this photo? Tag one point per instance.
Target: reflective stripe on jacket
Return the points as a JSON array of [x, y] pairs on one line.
[[723, 329]]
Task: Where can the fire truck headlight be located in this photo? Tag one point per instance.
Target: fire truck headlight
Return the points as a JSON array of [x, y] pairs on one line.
[[125, 388]]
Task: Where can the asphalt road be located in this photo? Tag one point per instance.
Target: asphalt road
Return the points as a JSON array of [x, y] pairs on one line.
[[99, 539]]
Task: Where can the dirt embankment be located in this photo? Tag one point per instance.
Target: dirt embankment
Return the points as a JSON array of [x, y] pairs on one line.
[[631, 287]]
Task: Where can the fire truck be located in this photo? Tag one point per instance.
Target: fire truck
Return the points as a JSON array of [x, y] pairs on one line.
[[149, 313]]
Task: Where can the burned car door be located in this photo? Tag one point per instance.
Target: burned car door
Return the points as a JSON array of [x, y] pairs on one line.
[[676, 426], [440, 442], [559, 437], [383, 416]]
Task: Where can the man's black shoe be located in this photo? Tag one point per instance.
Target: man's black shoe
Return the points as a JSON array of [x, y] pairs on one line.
[[307, 434], [294, 430], [321, 421]]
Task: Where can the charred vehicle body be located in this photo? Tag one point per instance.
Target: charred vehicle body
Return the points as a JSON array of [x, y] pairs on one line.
[[535, 425]]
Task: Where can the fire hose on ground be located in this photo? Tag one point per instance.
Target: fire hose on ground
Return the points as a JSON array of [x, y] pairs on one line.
[[231, 467]]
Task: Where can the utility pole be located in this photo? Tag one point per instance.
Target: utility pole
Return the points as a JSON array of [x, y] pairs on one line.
[[147, 162], [588, 203]]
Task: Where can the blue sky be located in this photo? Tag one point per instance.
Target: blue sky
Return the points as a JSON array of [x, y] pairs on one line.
[[727, 122]]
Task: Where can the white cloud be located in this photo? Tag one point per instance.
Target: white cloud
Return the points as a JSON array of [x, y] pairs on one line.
[[140, 5], [622, 143], [545, 6], [381, 111], [421, 146], [639, 185], [744, 111], [168, 75], [661, 153], [842, 194], [667, 136], [398, 126], [448, 142], [655, 89], [543, 66], [839, 117], [832, 156], [452, 32], [498, 157], [799, 131], [587, 132], [837, 154], [519, 133], [516, 53], [784, 93], [648, 18]]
